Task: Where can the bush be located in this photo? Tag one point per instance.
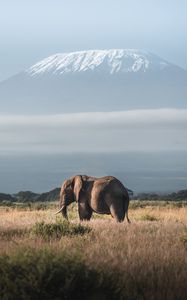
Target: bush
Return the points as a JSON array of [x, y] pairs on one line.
[[184, 239], [58, 229], [135, 204], [47, 275], [147, 217], [6, 203], [8, 234]]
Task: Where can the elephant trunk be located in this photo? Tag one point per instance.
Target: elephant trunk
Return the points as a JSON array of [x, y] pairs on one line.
[[64, 212]]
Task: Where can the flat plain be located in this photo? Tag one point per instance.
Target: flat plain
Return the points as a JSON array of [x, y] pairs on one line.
[[42, 256]]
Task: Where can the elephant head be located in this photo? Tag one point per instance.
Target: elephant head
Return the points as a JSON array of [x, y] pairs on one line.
[[69, 193]]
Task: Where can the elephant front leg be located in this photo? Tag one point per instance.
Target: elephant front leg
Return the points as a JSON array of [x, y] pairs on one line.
[[85, 212]]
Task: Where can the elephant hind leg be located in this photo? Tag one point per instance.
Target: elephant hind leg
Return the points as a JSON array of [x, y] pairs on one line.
[[116, 209], [117, 215]]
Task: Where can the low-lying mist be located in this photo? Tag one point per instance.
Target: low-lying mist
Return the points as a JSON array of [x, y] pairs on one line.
[[146, 149]]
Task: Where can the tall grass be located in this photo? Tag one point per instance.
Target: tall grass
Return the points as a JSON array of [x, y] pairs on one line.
[[45, 274], [47, 259]]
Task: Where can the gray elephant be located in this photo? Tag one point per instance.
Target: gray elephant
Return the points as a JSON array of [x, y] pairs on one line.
[[105, 195]]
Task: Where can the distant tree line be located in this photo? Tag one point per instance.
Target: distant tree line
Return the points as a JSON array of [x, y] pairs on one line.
[[178, 196], [53, 195], [28, 196]]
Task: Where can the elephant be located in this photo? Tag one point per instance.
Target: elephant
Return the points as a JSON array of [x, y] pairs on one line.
[[104, 195]]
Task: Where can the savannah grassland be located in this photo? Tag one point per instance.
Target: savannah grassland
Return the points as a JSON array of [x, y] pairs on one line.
[[43, 257]]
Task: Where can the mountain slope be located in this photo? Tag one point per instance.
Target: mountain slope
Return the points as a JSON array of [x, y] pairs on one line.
[[95, 80]]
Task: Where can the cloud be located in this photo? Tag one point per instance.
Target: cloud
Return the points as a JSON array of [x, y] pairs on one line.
[[135, 130]]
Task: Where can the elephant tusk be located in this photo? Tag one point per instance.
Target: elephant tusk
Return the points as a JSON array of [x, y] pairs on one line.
[[60, 210]]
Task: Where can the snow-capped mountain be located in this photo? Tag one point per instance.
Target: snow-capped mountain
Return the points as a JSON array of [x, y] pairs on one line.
[[111, 61], [95, 80]]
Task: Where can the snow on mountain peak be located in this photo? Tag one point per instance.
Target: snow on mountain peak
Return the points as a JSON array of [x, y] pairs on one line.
[[110, 61]]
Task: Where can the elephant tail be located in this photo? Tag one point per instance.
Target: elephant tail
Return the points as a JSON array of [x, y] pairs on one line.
[[126, 205], [127, 217]]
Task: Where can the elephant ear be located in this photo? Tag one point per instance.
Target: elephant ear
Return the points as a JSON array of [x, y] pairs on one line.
[[78, 183]]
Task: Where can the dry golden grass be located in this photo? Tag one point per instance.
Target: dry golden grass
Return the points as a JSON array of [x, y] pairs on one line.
[[22, 218], [151, 229], [148, 256]]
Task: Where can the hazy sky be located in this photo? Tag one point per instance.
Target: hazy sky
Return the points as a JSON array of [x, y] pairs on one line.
[[32, 30], [146, 149]]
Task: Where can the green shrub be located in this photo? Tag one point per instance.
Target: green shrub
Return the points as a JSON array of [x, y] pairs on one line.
[[6, 203], [40, 206], [45, 274], [184, 239], [58, 229], [135, 204], [8, 234], [147, 217]]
